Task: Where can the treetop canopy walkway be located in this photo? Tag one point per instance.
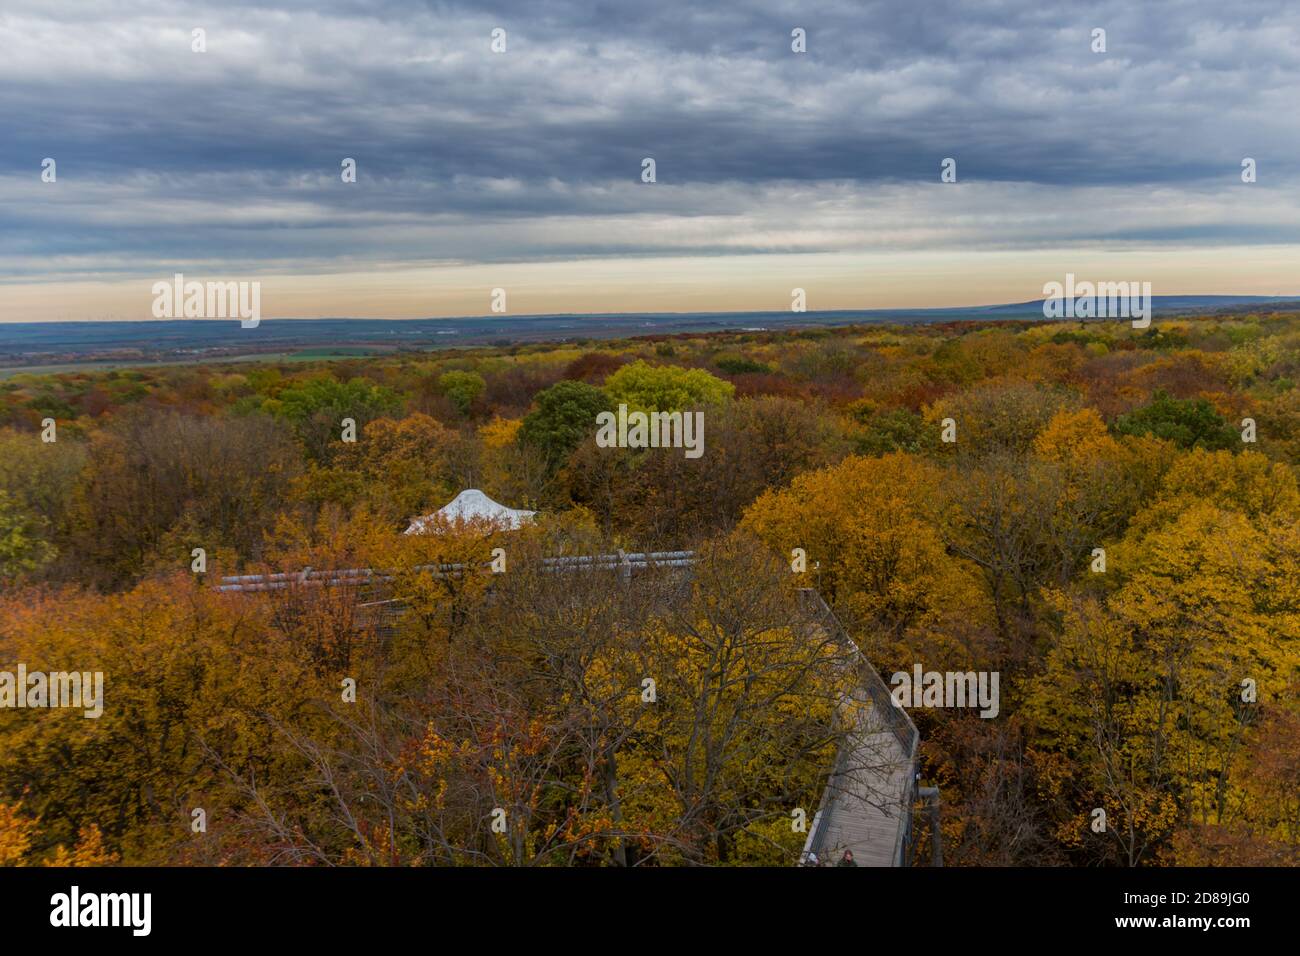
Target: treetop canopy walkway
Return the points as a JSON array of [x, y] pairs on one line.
[[866, 806]]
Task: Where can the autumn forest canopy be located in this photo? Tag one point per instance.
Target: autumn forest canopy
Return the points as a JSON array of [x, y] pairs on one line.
[[1106, 517]]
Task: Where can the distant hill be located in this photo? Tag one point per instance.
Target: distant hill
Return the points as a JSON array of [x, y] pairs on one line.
[[1163, 304]]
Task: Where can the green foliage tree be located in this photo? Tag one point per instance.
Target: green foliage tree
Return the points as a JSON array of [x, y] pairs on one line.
[[665, 388], [892, 429], [739, 365], [1191, 423], [565, 415], [316, 409], [461, 388]]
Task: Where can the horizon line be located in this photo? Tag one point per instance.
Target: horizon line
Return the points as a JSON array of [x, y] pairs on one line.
[[914, 310]]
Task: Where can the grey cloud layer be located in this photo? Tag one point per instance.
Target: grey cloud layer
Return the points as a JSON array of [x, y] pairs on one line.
[[232, 156]]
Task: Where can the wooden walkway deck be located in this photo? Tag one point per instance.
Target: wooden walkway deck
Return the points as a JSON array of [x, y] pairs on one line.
[[867, 804]]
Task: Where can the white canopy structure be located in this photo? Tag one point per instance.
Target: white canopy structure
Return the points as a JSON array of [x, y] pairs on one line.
[[471, 505]]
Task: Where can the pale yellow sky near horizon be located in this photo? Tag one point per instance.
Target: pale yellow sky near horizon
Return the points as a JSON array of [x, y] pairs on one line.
[[874, 280]]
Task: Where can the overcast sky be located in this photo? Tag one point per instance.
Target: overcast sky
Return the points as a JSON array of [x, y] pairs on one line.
[[523, 169]]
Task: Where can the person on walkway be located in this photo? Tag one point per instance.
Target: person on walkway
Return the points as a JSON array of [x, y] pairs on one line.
[[847, 859]]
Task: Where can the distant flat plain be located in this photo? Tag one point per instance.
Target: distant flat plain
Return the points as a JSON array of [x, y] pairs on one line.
[[53, 347]]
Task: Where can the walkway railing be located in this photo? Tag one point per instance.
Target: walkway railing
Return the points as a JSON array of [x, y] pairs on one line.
[[617, 561]]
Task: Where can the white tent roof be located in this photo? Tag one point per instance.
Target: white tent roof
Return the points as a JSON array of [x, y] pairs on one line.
[[469, 505]]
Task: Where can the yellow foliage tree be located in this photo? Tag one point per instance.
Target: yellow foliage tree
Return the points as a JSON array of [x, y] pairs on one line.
[[872, 547], [16, 834]]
